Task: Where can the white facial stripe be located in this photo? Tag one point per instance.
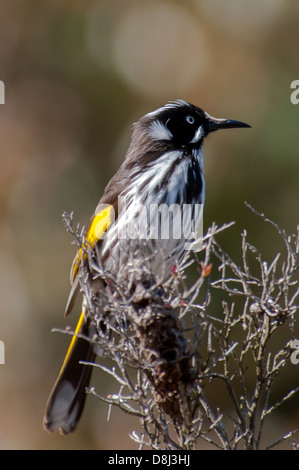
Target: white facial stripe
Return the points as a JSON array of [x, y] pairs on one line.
[[158, 131], [198, 135], [170, 105]]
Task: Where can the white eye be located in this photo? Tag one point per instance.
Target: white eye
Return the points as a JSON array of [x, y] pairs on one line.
[[190, 119]]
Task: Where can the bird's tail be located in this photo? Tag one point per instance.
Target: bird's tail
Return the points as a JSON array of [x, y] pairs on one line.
[[66, 401]]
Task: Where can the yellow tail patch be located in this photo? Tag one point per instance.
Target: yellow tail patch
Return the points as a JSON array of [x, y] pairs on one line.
[[69, 351]]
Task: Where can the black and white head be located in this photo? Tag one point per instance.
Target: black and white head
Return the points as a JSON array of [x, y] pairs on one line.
[[180, 125]]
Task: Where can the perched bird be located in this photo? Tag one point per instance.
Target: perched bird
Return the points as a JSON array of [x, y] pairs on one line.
[[163, 167]]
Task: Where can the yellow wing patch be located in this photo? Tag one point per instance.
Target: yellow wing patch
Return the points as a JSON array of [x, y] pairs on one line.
[[102, 219], [99, 225]]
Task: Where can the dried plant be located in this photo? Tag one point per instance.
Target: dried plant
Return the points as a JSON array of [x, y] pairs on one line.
[[171, 345]]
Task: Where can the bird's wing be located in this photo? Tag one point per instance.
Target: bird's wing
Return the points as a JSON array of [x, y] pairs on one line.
[[103, 217]]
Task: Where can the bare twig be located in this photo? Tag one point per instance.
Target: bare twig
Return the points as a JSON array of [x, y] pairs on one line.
[[169, 348]]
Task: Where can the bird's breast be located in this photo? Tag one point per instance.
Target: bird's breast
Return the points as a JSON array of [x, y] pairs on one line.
[[161, 210]]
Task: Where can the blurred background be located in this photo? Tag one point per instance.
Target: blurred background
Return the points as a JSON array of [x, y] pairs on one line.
[[77, 74]]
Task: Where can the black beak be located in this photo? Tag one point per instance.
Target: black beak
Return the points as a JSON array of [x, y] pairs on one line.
[[214, 124]]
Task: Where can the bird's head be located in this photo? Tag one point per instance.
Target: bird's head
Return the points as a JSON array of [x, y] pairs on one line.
[[183, 125]]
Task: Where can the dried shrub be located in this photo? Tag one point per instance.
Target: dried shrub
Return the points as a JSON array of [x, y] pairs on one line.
[[170, 347]]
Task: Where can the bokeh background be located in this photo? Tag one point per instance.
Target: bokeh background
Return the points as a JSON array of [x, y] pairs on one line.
[[77, 74]]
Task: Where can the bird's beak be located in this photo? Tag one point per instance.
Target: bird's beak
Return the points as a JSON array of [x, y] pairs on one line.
[[215, 124]]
